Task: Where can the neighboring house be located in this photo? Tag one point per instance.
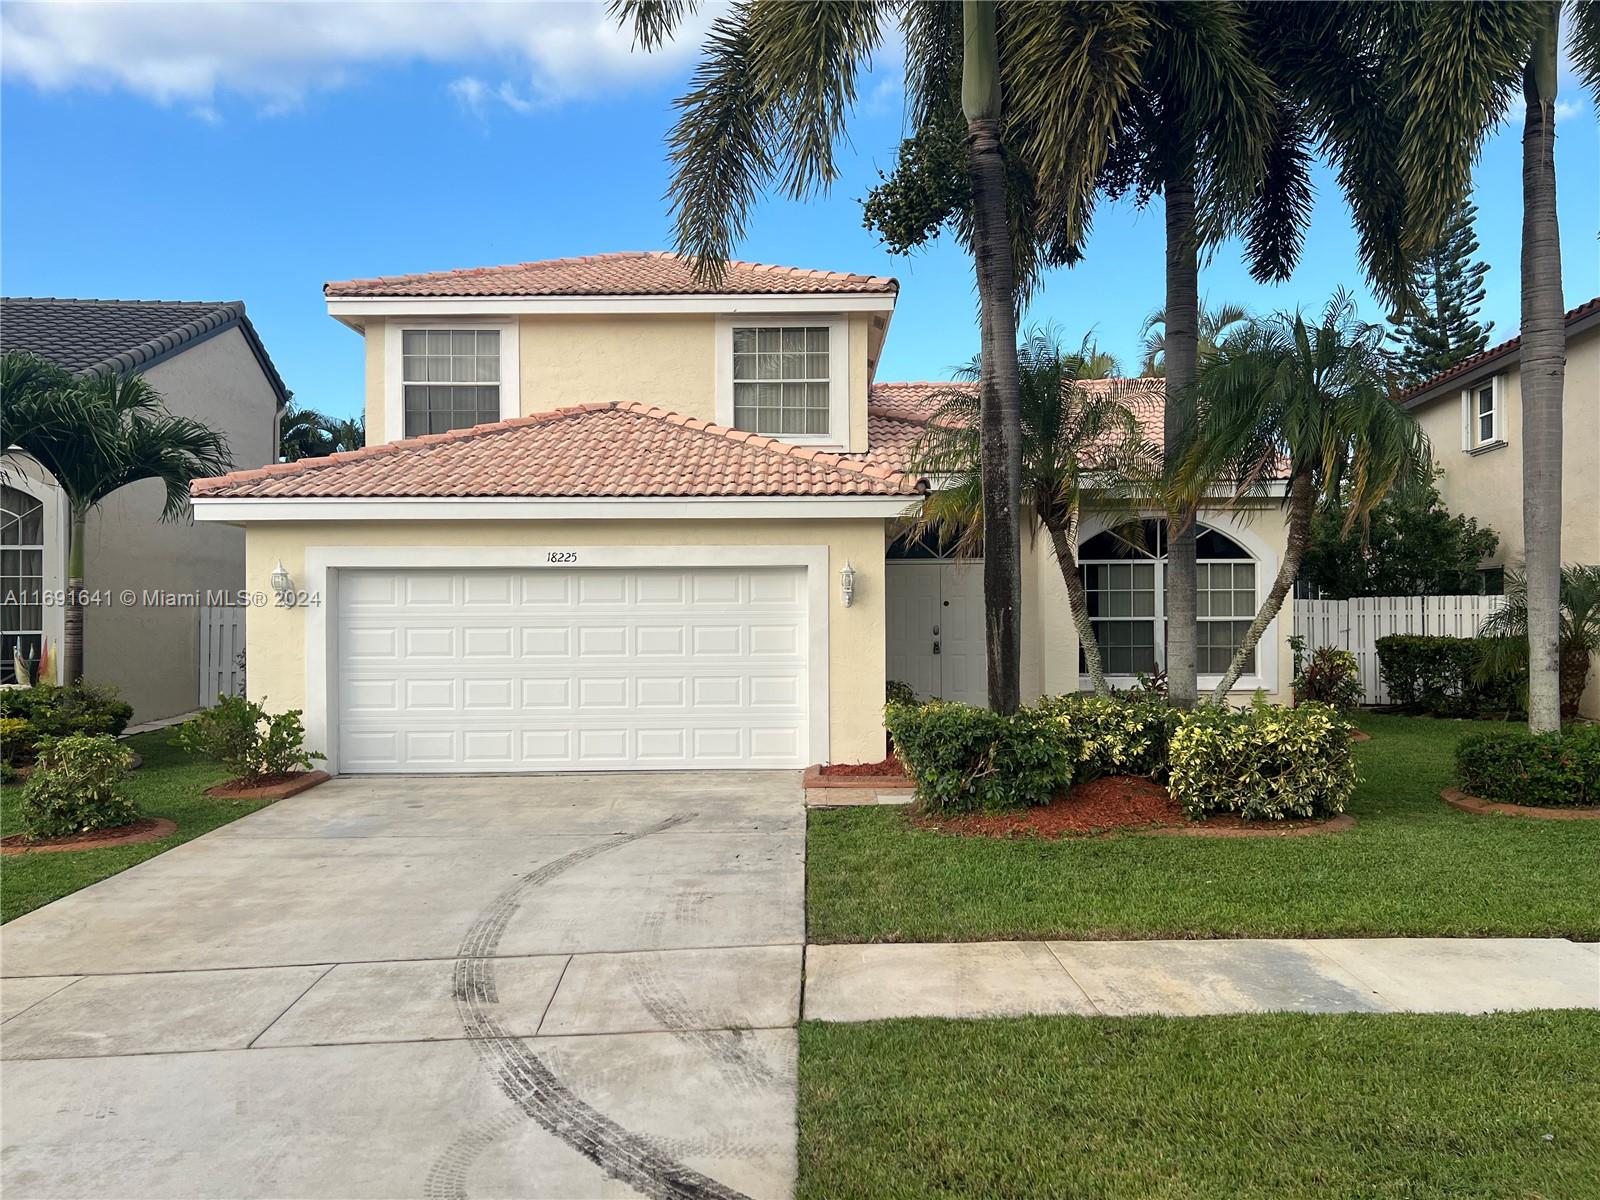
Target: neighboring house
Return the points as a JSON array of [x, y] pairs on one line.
[[1473, 416], [608, 519], [207, 362]]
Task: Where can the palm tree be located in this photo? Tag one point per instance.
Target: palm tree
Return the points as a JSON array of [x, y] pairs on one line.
[[1578, 635], [345, 433], [1220, 109], [1309, 404], [302, 433], [95, 435], [1214, 326], [1544, 347], [768, 103], [1073, 437]]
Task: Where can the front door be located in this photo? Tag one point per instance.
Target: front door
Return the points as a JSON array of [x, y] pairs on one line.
[[935, 633]]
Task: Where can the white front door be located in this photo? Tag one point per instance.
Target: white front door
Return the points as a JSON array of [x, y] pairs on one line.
[[935, 629], [586, 670]]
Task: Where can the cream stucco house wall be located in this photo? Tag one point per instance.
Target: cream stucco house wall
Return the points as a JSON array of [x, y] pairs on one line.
[[609, 518], [1473, 417], [207, 362]]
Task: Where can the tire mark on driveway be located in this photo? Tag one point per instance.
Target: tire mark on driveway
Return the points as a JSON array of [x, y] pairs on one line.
[[529, 1082]]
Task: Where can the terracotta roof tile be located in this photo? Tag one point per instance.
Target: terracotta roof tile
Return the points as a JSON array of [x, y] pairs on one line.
[[631, 273], [1467, 365], [897, 413], [592, 450]]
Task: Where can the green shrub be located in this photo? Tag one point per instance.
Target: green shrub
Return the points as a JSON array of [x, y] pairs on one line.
[[16, 740], [1439, 675], [1126, 734], [248, 740], [897, 691], [59, 711], [77, 786], [964, 759], [1516, 767], [1329, 676], [1263, 762]]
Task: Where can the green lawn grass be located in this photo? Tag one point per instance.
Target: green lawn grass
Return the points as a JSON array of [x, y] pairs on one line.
[[1203, 1108], [1412, 865], [170, 784]]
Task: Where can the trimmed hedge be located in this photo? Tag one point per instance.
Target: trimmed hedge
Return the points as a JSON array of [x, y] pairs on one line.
[[965, 759], [52, 711], [1547, 769], [1439, 675], [1128, 734], [1263, 762]]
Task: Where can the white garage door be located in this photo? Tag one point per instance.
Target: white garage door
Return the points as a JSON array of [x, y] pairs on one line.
[[581, 670]]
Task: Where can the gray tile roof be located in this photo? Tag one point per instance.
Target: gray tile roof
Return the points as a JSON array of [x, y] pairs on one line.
[[86, 336]]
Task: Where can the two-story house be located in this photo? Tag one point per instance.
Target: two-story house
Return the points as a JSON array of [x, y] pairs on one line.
[[609, 519], [148, 578], [1472, 414]]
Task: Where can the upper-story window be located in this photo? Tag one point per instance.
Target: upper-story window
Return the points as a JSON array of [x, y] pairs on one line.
[[786, 376], [781, 379], [1483, 416], [450, 378]]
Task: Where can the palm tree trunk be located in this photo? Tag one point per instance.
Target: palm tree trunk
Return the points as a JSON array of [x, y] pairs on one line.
[[72, 612], [1064, 537], [1000, 441], [1302, 501], [1544, 351], [1182, 331]]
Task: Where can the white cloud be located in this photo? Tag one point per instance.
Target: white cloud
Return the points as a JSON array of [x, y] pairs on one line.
[[275, 52], [1567, 109]]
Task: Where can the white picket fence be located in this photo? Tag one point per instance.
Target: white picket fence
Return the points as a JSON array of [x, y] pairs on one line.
[[221, 643], [1356, 625]]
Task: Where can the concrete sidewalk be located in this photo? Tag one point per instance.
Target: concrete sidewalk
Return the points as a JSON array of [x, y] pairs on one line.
[[1195, 978]]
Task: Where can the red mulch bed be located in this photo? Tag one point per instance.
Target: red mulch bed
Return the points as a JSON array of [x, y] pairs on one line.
[[1117, 804], [889, 766], [1456, 798], [269, 787], [150, 829]]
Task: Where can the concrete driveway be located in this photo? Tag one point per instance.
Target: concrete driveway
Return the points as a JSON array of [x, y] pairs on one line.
[[556, 986]]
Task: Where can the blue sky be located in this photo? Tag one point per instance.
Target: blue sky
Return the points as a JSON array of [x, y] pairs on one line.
[[254, 151]]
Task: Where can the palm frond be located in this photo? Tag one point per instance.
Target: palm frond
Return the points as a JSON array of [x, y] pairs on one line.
[[654, 21], [767, 104], [1584, 44]]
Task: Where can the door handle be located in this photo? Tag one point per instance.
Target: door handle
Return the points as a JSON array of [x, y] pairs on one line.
[[935, 631], [936, 647]]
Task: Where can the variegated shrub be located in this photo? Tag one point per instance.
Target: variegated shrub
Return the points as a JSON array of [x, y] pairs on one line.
[[1263, 762]]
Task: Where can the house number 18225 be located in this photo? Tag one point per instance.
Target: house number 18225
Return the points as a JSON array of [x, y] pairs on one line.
[[561, 556]]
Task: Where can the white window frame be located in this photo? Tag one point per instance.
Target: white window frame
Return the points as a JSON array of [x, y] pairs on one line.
[[24, 474], [838, 327], [1471, 443], [394, 405], [1265, 676]]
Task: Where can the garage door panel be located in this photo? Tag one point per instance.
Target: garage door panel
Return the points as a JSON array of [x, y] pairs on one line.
[[423, 589], [490, 641], [564, 669], [488, 695], [438, 641], [422, 695]]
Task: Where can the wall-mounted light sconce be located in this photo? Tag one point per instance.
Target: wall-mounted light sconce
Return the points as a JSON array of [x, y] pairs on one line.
[[847, 583], [279, 579]]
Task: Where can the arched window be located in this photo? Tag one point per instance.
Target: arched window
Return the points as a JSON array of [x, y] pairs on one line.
[[21, 578], [1124, 580]]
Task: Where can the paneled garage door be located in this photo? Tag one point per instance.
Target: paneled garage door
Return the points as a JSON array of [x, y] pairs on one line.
[[564, 669]]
